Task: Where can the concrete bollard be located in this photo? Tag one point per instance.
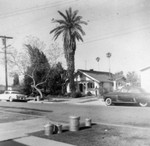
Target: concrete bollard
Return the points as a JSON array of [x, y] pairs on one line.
[[74, 123], [48, 129], [88, 122], [38, 98]]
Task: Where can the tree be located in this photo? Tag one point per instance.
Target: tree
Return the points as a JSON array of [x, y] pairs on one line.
[[71, 30], [54, 54], [39, 69], [108, 55], [34, 65], [56, 79], [118, 75], [98, 59], [16, 79], [133, 78]]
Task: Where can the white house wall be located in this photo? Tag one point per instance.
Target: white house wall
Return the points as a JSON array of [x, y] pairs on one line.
[[96, 84], [145, 80]]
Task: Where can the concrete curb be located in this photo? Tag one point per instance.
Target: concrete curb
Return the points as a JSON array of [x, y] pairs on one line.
[[80, 101]]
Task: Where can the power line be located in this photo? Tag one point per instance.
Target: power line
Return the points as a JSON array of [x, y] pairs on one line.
[[107, 36], [29, 10], [116, 34]]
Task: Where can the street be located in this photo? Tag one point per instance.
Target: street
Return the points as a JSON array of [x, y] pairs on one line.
[[60, 112]]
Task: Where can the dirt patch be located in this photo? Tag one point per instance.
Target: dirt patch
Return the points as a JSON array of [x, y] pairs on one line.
[[101, 135]]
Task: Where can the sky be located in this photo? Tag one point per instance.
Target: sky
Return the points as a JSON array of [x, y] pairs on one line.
[[121, 27]]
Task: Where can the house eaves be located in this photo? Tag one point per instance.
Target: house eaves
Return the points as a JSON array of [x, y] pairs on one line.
[[89, 76], [96, 76]]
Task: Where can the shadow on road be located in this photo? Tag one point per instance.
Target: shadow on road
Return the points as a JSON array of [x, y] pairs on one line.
[[11, 143], [129, 105]]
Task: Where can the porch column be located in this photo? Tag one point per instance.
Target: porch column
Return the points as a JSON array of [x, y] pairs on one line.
[[114, 85], [86, 88]]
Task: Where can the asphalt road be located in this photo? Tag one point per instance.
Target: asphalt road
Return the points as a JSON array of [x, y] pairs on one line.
[[60, 112]]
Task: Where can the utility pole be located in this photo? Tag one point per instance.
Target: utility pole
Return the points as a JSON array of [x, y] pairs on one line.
[[4, 38]]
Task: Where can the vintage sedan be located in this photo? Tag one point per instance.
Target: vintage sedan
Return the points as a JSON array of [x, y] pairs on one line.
[[12, 95], [127, 94]]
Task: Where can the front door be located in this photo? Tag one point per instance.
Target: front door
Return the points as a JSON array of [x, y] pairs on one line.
[[81, 87]]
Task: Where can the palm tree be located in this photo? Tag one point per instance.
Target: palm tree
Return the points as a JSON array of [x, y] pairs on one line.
[[108, 56], [98, 59], [71, 30]]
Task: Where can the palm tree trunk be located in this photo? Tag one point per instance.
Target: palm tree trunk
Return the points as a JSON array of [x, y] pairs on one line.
[[71, 68], [70, 60], [69, 50]]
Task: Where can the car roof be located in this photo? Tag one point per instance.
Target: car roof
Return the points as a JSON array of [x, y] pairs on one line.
[[11, 91], [133, 88]]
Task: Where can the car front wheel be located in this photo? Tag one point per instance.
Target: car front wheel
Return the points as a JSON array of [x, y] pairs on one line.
[[108, 101], [143, 104]]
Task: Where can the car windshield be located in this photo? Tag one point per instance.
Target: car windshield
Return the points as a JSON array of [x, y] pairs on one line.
[[14, 92], [122, 90]]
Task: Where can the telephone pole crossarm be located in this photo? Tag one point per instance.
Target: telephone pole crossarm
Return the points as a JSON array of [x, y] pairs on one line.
[[6, 37]]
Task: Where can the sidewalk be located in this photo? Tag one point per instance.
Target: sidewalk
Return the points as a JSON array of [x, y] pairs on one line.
[[16, 133], [17, 129], [33, 141]]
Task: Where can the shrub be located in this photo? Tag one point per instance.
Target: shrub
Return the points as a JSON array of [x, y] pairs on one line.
[[68, 94], [76, 94], [89, 93]]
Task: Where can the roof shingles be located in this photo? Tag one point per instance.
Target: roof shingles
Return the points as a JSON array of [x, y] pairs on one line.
[[99, 76]]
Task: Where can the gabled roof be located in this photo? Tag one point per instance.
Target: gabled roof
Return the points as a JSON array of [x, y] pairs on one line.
[[97, 75], [145, 68]]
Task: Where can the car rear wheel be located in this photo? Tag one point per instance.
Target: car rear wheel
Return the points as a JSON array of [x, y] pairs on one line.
[[108, 101], [143, 104]]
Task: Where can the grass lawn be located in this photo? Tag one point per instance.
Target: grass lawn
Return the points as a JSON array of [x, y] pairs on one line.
[[101, 135]]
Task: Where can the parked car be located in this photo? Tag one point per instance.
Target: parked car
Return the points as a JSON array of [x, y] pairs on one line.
[[12, 95], [127, 95]]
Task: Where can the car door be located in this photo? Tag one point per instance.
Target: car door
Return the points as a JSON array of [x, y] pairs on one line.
[[6, 95], [124, 96], [136, 94]]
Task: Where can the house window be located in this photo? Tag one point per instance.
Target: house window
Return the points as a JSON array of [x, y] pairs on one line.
[[90, 85]]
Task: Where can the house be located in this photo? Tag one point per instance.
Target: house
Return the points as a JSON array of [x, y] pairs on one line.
[[95, 82], [145, 78]]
